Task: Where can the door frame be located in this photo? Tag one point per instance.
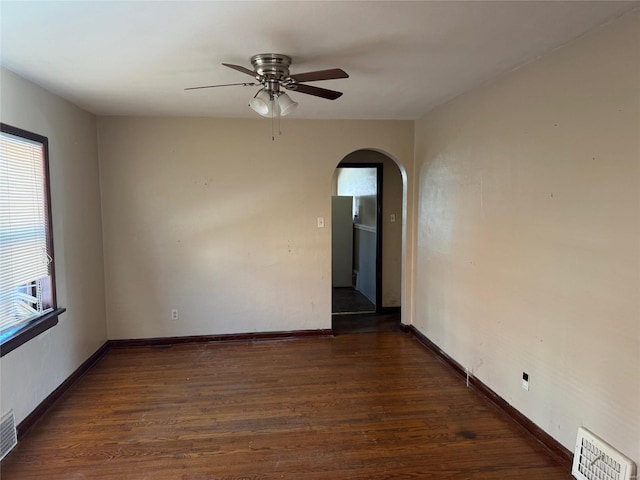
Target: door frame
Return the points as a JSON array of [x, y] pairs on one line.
[[379, 172]]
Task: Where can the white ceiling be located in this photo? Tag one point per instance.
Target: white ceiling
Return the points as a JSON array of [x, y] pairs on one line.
[[403, 58]]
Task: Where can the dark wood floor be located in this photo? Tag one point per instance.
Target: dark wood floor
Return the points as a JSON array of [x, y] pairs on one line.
[[349, 300], [355, 406], [365, 323]]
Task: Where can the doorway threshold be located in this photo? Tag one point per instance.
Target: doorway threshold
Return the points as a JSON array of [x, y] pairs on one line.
[[359, 312], [365, 323]]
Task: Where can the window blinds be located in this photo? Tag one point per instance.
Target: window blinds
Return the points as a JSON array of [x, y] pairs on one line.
[[24, 256]]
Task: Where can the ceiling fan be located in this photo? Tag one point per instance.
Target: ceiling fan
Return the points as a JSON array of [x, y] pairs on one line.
[[271, 71]]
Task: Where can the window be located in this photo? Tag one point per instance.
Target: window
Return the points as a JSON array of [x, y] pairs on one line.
[[27, 286]]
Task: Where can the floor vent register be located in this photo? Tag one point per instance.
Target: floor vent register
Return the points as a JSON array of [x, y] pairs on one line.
[[8, 437], [595, 459]]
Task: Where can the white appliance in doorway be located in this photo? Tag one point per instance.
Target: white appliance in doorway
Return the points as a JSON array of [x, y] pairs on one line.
[[341, 241]]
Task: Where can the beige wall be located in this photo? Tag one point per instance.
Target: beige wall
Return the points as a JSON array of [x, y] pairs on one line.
[[528, 235], [211, 217], [32, 371]]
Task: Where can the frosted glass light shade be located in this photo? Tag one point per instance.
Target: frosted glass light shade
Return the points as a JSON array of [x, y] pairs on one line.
[[272, 109], [261, 103], [286, 105]]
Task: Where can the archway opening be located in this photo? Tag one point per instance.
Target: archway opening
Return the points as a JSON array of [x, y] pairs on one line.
[[367, 239]]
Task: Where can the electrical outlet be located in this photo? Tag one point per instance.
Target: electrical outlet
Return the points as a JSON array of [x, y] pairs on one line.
[[525, 381], [174, 314]]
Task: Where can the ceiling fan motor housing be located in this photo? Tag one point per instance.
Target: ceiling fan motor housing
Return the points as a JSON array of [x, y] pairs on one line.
[[274, 65]]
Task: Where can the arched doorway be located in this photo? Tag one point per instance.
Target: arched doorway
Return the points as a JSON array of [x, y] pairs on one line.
[[370, 186]]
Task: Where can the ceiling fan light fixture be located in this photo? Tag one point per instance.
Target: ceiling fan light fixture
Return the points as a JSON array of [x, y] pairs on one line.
[[261, 103], [271, 71], [286, 105]]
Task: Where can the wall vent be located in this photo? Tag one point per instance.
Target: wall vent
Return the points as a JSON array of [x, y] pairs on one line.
[[595, 459], [8, 437]]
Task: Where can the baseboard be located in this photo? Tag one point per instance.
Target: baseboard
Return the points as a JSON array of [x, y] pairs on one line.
[[555, 448], [40, 410], [232, 337]]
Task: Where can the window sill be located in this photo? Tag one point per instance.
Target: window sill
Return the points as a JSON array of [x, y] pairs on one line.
[[12, 339]]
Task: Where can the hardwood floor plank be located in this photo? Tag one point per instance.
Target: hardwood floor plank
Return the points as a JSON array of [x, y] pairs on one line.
[[367, 406]]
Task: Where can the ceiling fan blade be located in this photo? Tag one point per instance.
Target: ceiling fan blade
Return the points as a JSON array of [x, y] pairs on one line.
[[223, 85], [316, 91], [242, 69], [320, 75]]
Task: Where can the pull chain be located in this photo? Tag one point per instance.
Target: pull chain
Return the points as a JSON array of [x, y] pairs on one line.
[[273, 107], [275, 110]]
